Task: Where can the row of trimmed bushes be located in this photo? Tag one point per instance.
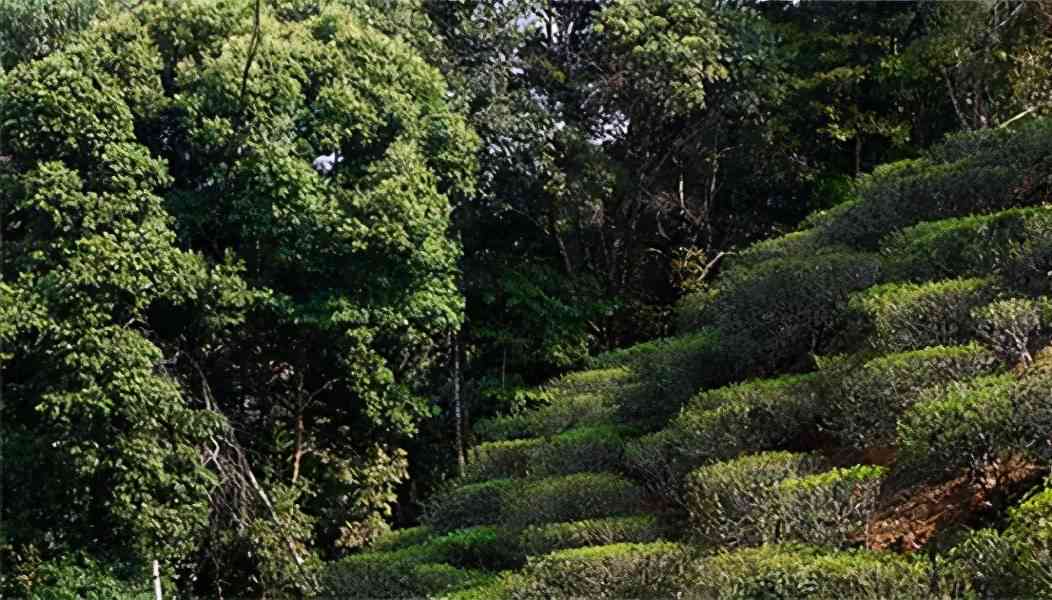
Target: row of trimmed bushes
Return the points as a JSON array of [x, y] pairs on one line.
[[779, 496], [393, 575], [495, 547], [976, 424], [521, 503], [562, 414], [865, 400], [896, 317], [666, 570], [1005, 170], [723, 423], [643, 386], [595, 448], [1018, 561], [770, 315], [970, 246]]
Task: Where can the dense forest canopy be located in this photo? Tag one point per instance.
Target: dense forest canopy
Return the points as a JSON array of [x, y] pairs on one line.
[[282, 275]]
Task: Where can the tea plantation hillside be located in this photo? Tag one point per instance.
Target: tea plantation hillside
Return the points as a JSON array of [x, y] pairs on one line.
[[860, 409]]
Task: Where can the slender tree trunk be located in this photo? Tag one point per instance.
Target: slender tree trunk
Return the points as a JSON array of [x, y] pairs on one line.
[[157, 581], [458, 416], [858, 154], [297, 455]]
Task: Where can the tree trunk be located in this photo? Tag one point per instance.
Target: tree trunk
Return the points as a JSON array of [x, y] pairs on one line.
[[297, 455], [458, 416]]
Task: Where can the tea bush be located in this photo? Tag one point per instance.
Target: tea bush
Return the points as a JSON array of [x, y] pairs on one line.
[[830, 508], [563, 413], [571, 498], [542, 539], [392, 575], [906, 316], [865, 400], [469, 505], [734, 503], [1006, 171], [617, 571], [1014, 563], [792, 571], [761, 414], [974, 424], [1010, 327], [970, 246], [771, 315], [585, 449]]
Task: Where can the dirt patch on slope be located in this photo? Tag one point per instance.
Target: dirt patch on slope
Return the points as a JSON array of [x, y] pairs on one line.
[[910, 518]]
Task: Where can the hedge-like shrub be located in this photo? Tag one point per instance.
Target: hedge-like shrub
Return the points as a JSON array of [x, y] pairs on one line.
[[564, 413], [790, 571], [500, 586], [796, 243], [542, 539], [657, 460], [468, 505], [401, 538], [1009, 171], [392, 575], [735, 503], [669, 376], [770, 316], [975, 245], [1010, 327], [907, 316], [595, 381], [830, 508], [1029, 264], [866, 400], [1015, 563], [585, 449], [571, 498], [974, 424], [617, 571], [482, 547], [758, 415]]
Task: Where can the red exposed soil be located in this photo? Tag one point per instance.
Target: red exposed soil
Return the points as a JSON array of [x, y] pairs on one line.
[[910, 518]]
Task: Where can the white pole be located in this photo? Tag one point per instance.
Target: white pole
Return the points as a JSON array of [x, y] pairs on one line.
[[157, 581]]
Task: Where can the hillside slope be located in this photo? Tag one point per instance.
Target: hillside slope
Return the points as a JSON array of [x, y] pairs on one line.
[[874, 384]]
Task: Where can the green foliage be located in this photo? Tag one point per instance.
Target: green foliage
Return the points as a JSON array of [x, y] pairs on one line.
[[571, 498], [974, 425], [1004, 169], [1010, 327], [75, 578], [670, 375], [391, 575], [903, 316], [787, 571], [542, 539], [789, 245], [721, 424], [584, 449], [830, 508], [1016, 562], [400, 538], [561, 414], [772, 315], [735, 503], [866, 400], [464, 506], [605, 381], [495, 587], [970, 246], [761, 414], [614, 571], [31, 29]]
